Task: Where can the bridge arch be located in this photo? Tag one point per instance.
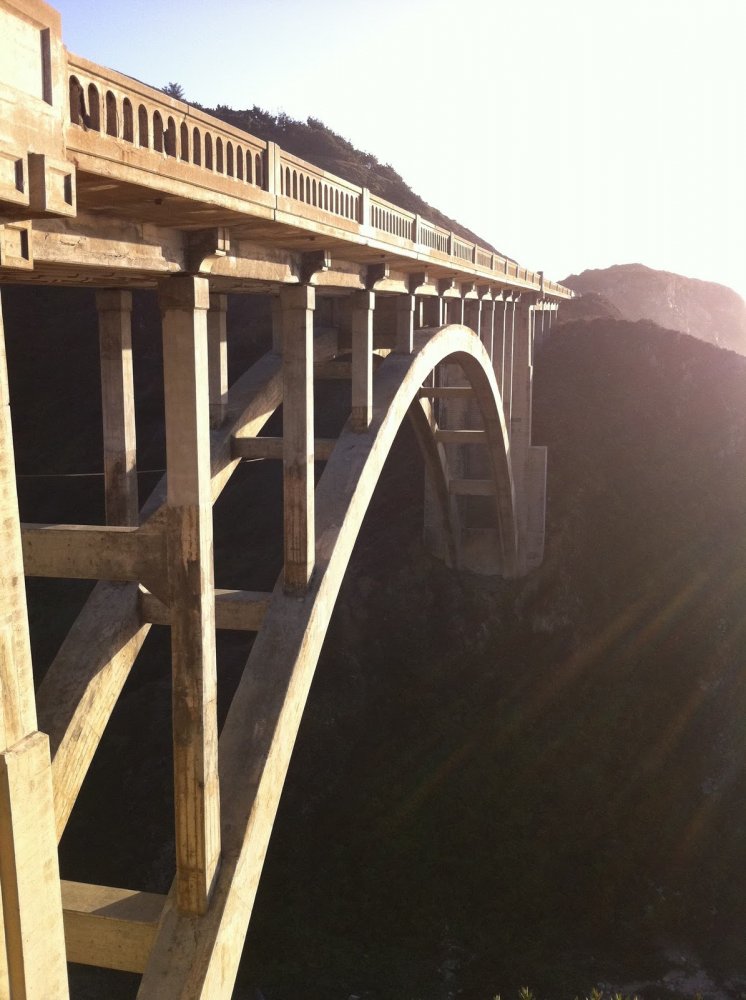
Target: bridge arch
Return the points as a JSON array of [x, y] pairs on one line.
[[200, 959]]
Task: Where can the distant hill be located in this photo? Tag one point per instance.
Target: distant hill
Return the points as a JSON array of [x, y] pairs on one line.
[[707, 310]]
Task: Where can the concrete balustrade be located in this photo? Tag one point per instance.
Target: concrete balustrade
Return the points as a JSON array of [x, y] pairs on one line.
[[108, 106]]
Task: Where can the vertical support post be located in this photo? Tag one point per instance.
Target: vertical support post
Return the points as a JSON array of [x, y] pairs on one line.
[[507, 383], [118, 406], [297, 305], [184, 302], [405, 307], [33, 965], [520, 414], [217, 358], [472, 314], [498, 341], [363, 304], [487, 330]]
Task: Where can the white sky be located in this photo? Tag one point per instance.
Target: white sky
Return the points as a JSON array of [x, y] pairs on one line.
[[571, 134]]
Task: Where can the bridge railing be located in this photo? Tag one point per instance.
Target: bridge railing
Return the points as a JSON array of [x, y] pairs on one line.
[[302, 182], [112, 106], [118, 118], [391, 219], [433, 237]]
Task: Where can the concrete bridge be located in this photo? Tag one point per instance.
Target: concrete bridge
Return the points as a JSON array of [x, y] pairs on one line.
[[109, 183]]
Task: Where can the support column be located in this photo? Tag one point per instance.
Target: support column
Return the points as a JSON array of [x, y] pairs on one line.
[[405, 312], [33, 964], [498, 342], [363, 304], [472, 313], [529, 464], [297, 305], [487, 327], [217, 358], [507, 367], [118, 406], [520, 411], [184, 302]]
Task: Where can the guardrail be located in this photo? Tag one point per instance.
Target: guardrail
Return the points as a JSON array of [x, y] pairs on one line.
[[173, 138]]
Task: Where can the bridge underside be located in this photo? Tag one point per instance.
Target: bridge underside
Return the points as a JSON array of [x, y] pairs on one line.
[[109, 184]]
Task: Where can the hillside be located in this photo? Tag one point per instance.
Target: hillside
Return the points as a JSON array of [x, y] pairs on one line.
[[314, 141], [500, 783], [704, 309]]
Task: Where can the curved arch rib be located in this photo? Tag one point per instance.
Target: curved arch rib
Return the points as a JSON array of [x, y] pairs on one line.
[[198, 958]]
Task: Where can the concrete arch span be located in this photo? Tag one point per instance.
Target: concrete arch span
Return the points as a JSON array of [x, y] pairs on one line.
[[198, 957]]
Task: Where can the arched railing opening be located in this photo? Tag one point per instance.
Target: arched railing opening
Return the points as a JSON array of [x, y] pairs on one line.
[[158, 132], [143, 126], [94, 108], [128, 122], [77, 102], [111, 114]]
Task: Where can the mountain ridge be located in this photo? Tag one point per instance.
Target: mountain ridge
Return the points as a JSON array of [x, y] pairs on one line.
[[706, 309]]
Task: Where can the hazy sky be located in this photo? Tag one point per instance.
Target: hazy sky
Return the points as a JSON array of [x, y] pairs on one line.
[[570, 134]]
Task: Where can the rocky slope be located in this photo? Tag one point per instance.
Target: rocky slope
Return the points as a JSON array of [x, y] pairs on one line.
[[704, 309]]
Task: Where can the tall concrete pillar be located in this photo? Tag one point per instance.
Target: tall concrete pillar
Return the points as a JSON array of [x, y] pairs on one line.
[[297, 306], [528, 462], [118, 406], [184, 302], [32, 944], [507, 362]]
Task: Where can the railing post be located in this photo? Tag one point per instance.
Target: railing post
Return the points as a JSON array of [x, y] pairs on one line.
[[32, 944], [184, 302], [417, 228], [297, 305], [272, 172], [363, 304], [364, 219]]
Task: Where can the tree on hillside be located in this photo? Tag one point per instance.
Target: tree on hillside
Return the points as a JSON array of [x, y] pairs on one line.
[[174, 90]]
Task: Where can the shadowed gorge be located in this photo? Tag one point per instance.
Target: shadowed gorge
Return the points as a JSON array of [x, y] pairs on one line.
[[533, 781]]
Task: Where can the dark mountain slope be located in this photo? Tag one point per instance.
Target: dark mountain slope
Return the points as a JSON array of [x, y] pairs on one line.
[[704, 309], [537, 782], [495, 783]]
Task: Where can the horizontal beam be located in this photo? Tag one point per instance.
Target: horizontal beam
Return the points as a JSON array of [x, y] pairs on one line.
[[445, 392], [472, 487], [87, 552], [460, 437], [109, 928], [271, 447], [241, 610]]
